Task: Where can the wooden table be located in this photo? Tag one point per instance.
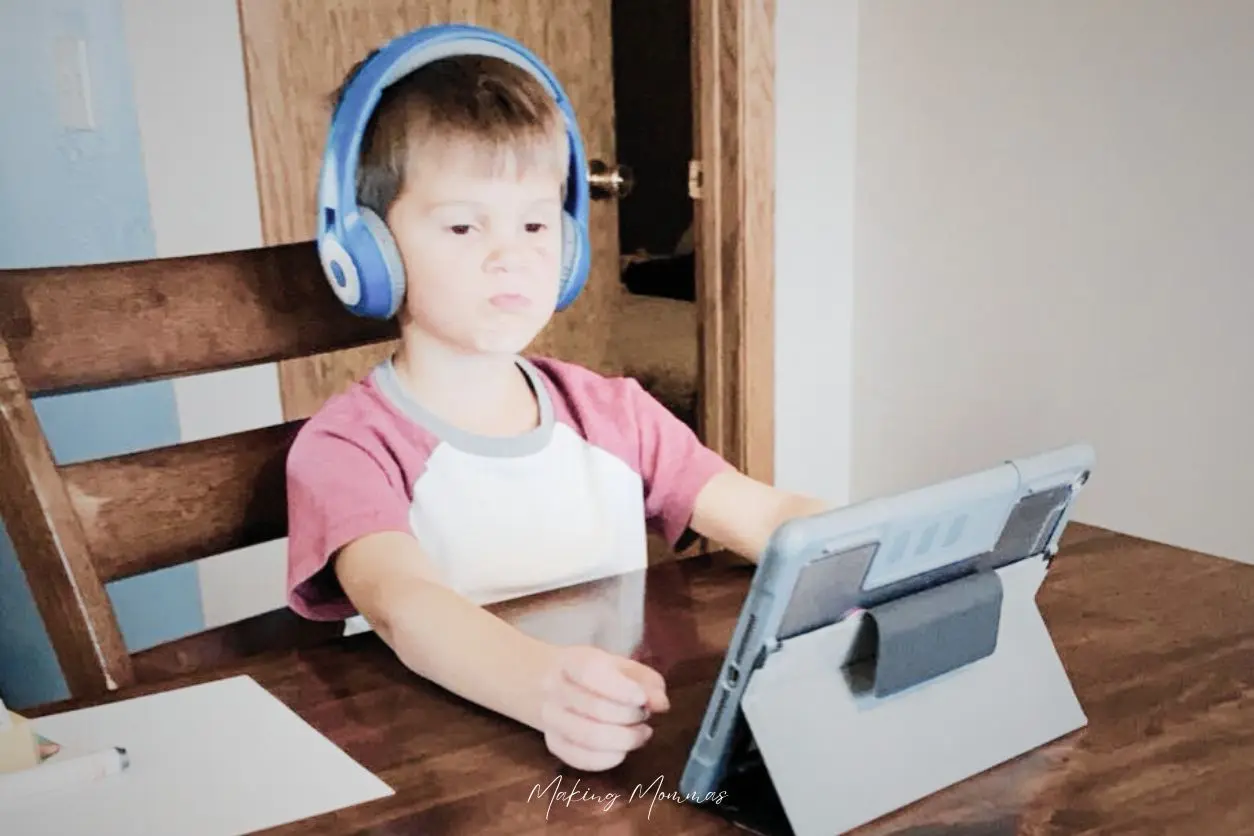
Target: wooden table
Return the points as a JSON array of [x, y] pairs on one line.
[[1159, 643]]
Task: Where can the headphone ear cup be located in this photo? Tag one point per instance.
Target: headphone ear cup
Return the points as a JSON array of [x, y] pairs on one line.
[[340, 270], [575, 252], [385, 291]]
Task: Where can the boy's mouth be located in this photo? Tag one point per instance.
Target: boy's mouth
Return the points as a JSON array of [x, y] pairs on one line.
[[510, 301]]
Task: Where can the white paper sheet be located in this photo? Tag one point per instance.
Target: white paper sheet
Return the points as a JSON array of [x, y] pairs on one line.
[[217, 759]]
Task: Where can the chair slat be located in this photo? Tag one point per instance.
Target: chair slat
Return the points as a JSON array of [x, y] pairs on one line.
[[88, 326], [158, 508]]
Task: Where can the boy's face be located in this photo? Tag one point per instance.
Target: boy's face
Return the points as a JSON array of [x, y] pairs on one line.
[[481, 252]]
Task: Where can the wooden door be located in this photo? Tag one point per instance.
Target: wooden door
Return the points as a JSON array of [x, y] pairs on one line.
[[298, 51]]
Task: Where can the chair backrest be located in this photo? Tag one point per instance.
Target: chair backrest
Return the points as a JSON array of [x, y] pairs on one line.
[[79, 526]]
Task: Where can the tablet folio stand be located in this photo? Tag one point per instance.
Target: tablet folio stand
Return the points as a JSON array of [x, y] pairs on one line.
[[860, 718]]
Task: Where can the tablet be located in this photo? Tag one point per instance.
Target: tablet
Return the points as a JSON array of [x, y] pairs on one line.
[[817, 570]]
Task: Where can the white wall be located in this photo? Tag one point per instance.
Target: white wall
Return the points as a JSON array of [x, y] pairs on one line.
[[816, 76], [188, 70], [1053, 214]]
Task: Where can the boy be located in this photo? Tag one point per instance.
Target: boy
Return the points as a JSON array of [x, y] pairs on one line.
[[459, 473]]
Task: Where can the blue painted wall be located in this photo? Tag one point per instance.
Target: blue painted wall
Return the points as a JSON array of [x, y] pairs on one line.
[[69, 197]]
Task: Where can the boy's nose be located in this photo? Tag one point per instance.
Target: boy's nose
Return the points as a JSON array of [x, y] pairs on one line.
[[507, 253]]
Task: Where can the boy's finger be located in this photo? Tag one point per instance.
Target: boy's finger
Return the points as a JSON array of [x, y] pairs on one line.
[[587, 703], [598, 737], [651, 681], [581, 757], [598, 673]]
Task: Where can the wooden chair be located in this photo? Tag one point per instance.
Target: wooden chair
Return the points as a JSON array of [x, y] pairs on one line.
[[78, 527]]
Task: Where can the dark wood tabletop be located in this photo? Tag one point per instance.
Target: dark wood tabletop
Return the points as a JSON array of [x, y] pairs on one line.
[[1158, 641]]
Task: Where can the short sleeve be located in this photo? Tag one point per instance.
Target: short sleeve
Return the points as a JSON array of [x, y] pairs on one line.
[[338, 490], [674, 465]]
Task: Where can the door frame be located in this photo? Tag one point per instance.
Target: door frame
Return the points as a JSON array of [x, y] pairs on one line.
[[733, 69]]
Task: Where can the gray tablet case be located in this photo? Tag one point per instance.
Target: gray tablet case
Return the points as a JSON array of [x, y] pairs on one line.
[[889, 649]]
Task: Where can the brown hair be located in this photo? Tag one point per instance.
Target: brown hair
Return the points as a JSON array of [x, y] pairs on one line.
[[497, 110]]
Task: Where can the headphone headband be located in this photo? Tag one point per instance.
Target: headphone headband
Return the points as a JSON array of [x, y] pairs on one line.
[[340, 216]]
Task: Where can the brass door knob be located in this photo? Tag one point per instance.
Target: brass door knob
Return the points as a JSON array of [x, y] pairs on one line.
[[606, 181]]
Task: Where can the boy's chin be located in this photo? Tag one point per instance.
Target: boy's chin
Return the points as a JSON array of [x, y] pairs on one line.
[[502, 343]]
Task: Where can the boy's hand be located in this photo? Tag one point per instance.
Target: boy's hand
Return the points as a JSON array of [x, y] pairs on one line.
[[595, 705]]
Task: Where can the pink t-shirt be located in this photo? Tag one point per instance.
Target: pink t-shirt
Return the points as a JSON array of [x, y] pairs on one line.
[[501, 517]]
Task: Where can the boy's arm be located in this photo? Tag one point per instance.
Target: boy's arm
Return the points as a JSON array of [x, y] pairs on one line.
[[688, 485], [591, 706], [440, 635], [740, 513]]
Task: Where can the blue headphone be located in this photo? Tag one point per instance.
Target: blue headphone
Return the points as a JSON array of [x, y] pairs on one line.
[[357, 251]]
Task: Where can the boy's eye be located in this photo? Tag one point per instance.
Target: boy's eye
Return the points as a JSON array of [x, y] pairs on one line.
[[535, 227], [459, 229]]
